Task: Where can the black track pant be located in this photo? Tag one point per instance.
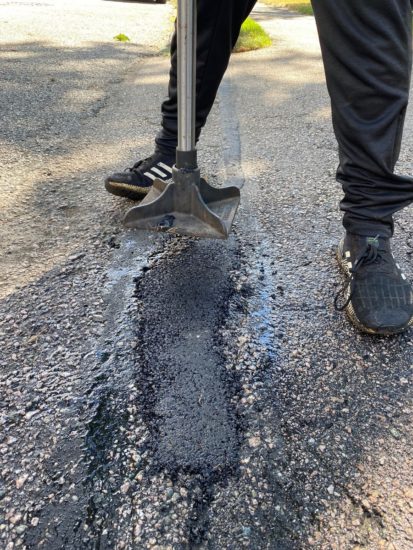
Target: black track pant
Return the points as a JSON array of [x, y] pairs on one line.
[[219, 23], [366, 47]]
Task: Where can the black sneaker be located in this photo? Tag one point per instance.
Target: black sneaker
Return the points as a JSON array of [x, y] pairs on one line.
[[135, 182], [377, 297]]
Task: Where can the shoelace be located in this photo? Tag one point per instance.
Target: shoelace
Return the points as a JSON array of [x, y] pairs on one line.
[[370, 255]]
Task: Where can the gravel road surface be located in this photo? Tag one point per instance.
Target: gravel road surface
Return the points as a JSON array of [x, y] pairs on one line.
[[171, 393]]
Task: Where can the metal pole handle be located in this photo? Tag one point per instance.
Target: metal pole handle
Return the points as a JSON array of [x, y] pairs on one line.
[[186, 28]]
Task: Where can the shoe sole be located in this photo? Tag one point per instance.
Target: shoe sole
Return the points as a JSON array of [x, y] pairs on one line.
[[351, 314], [133, 192]]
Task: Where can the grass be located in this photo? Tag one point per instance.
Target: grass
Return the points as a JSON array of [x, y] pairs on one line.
[[252, 37], [301, 6], [121, 38]]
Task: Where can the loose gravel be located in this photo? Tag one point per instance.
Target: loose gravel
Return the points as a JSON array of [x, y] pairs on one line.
[[171, 393]]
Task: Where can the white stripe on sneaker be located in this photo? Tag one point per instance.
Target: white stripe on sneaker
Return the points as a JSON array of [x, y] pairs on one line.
[[149, 175], [159, 172], [165, 167]]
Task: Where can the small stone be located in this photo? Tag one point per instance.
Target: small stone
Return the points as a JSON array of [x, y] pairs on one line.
[[34, 522], [125, 487], [102, 355], [15, 519], [254, 441], [330, 489], [75, 257], [21, 481], [20, 529], [246, 531], [395, 433], [366, 504]]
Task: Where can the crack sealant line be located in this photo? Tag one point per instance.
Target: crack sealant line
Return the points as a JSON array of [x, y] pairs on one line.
[[128, 262], [231, 135], [115, 372], [260, 314]]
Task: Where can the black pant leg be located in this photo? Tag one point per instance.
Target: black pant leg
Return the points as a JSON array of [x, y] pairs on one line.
[[366, 47], [219, 23]]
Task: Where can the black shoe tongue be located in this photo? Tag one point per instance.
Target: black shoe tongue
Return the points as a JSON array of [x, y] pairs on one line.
[[373, 241]]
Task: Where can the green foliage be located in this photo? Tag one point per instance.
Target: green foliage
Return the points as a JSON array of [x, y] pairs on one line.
[[305, 9], [252, 37], [121, 38], [301, 6]]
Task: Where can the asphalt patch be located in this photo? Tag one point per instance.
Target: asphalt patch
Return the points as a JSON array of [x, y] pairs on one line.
[[186, 392]]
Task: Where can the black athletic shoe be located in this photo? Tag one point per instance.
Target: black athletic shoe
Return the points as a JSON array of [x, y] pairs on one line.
[[377, 297], [135, 182]]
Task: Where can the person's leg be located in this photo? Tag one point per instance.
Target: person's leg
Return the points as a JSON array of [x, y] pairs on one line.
[[219, 23], [366, 47]]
